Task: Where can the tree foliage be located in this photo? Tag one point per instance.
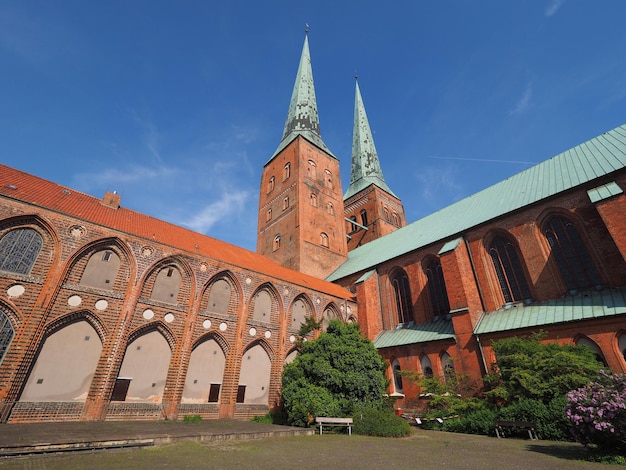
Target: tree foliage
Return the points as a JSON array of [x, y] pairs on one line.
[[526, 368], [332, 374]]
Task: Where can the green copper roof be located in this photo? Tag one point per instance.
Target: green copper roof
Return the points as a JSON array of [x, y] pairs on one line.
[[424, 333], [584, 306], [604, 191], [595, 158], [302, 117], [365, 164]]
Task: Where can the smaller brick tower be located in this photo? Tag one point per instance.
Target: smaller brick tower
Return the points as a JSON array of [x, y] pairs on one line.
[[301, 224], [373, 209]]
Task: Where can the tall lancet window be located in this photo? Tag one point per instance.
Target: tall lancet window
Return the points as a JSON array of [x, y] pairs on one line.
[[509, 270]]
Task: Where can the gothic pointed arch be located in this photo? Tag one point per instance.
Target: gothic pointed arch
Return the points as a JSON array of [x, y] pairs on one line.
[[255, 373], [570, 252], [509, 268], [426, 366], [264, 305], [7, 330], [170, 281], [330, 313], [447, 366], [22, 239], [436, 284], [79, 315], [591, 344], [145, 365], [205, 373], [221, 295], [401, 290], [66, 361], [105, 264], [300, 309], [396, 371]]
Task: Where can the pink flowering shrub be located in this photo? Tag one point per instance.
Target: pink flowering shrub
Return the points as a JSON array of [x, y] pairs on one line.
[[598, 412]]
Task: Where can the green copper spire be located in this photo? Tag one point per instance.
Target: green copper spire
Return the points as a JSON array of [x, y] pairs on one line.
[[302, 118], [365, 165]]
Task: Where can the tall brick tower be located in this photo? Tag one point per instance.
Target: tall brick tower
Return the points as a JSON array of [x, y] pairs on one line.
[[301, 222], [373, 209]]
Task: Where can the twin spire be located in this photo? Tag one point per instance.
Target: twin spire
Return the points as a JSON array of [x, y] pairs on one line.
[[303, 119]]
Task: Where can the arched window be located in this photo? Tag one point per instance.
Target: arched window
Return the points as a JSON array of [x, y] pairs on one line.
[[286, 203], [386, 213], [287, 171], [447, 365], [311, 169], [101, 270], [583, 340], [313, 200], [6, 334], [331, 208], [270, 184], [262, 306], [397, 376], [437, 288], [571, 254], [324, 240], [219, 297], [167, 285], [364, 218], [396, 218], [402, 292], [509, 270], [276, 244], [329, 179], [427, 368], [19, 249], [268, 215]]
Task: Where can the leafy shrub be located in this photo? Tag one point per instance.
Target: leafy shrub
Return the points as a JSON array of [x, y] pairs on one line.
[[549, 420], [597, 412], [192, 418], [304, 401], [479, 421], [332, 374], [527, 368], [379, 421]]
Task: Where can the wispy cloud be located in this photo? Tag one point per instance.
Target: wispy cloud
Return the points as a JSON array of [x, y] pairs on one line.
[[112, 178], [230, 204], [439, 185], [150, 134], [524, 102], [553, 7]]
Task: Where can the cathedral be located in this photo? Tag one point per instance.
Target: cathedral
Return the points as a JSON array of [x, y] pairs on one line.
[[109, 314]]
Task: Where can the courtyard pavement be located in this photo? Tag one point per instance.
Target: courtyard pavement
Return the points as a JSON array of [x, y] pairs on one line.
[[37, 438]]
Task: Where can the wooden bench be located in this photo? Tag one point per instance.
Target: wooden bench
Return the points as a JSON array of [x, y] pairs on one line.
[[323, 420], [527, 425]]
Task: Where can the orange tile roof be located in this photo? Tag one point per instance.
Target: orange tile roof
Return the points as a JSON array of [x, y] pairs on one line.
[[17, 185]]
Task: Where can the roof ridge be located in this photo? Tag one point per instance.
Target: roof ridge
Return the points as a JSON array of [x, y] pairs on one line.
[[41, 193], [473, 210]]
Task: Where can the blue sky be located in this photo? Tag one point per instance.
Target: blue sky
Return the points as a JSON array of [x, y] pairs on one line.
[[176, 105]]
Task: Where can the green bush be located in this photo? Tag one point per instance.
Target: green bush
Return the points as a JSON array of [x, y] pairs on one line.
[[380, 422], [192, 418], [550, 420], [479, 421]]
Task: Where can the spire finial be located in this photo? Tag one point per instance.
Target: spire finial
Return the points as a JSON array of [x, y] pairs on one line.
[[306, 28], [356, 75]]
